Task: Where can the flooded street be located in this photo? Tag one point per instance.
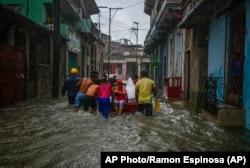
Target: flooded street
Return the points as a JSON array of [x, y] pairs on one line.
[[46, 133]]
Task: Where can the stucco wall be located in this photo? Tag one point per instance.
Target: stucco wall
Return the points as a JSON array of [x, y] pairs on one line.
[[217, 49], [198, 62]]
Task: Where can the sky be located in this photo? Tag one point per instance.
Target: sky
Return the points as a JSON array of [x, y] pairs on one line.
[[122, 20]]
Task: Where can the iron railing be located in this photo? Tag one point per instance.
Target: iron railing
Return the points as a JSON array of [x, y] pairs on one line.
[[215, 94]]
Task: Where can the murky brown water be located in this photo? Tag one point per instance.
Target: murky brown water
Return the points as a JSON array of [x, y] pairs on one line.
[[46, 133]]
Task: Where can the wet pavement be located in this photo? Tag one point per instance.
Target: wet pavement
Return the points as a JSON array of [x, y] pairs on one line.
[[46, 132]]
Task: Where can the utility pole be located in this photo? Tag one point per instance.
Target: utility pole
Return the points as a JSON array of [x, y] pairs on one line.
[[109, 49], [100, 35], [136, 45], [136, 31], [99, 17], [56, 35]]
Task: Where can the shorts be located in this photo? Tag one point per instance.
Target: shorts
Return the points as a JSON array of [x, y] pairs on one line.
[[89, 101], [119, 103], [79, 99]]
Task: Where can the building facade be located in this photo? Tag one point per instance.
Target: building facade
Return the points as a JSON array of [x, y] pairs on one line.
[[125, 60], [210, 34], [80, 41], [26, 57], [164, 44]]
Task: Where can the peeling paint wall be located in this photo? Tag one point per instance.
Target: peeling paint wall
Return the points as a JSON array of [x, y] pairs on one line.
[[217, 49], [217, 43], [198, 62]]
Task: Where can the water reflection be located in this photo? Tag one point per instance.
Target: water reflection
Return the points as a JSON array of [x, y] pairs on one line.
[[46, 133]]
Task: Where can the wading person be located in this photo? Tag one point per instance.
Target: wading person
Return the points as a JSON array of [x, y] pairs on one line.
[[90, 98], [69, 86], [104, 92], [83, 85], [120, 97], [112, 80], [145, 88]]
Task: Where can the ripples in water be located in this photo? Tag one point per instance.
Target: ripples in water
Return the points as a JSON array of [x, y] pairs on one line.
[[46, 133]]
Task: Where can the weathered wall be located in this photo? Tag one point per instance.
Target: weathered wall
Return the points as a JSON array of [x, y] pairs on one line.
[[198, 62], [217, 45]]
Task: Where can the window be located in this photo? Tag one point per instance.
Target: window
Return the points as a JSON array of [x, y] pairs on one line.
[[126, 53], [49, 13]]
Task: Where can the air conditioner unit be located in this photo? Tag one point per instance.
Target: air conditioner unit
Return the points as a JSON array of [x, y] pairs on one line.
[[50, 26]]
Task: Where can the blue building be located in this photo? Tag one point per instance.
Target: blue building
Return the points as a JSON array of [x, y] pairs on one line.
[[212, 57]]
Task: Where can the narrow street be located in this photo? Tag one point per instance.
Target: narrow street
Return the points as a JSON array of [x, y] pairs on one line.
[[46, 133]]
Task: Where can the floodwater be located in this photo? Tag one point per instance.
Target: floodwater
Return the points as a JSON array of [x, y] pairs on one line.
[[47, 133]]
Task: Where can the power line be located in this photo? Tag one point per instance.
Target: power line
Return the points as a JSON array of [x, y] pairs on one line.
[[119, 27], [105, 18], [133, 5]]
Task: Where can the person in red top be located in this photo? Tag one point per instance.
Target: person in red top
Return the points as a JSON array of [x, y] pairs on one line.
[[104, 91], [120, 95]]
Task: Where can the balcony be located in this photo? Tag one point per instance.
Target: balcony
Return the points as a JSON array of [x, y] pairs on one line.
[[79, 8], [70, 9], [200, 13], [90, 7], [86, 26], [169, 14], [149, 4]]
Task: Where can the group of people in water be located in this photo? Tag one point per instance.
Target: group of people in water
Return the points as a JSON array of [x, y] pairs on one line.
[[90, 93]]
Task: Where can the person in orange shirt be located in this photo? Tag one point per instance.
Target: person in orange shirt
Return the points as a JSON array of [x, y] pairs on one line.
[[90, 98], [120, 95]]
